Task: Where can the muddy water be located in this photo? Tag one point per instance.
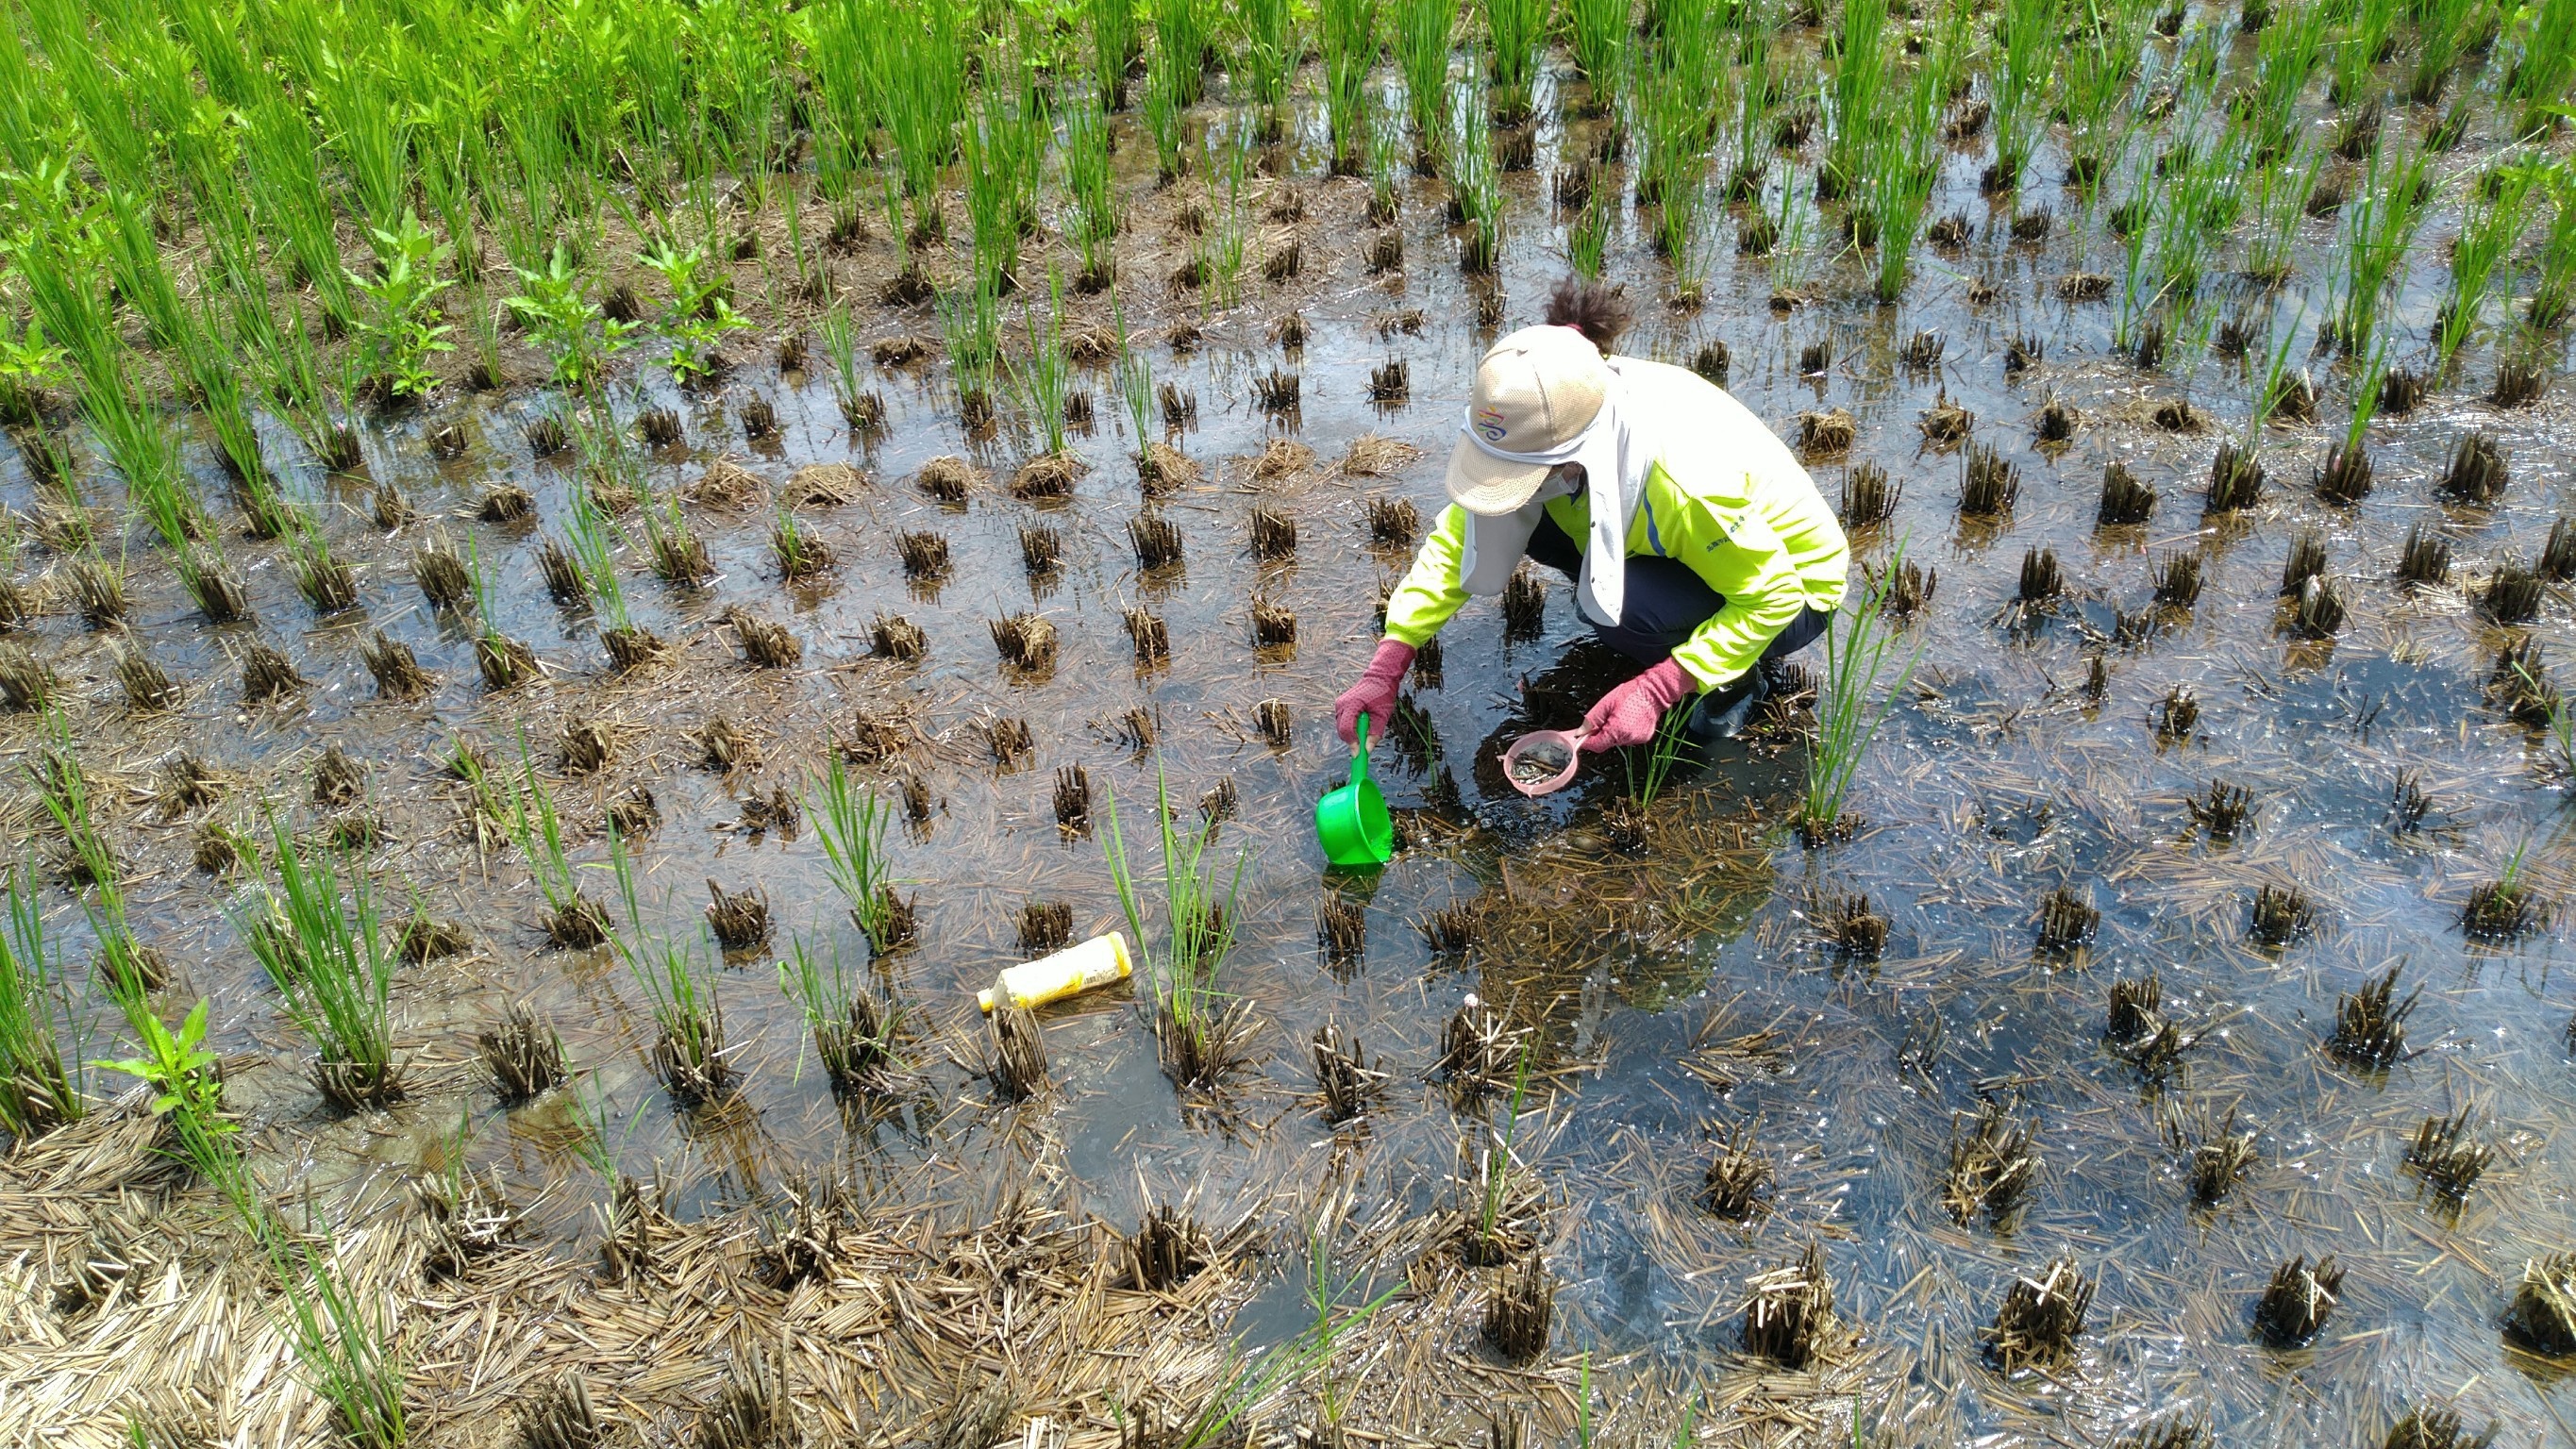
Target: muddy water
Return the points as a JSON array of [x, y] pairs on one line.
[[1995, 782]]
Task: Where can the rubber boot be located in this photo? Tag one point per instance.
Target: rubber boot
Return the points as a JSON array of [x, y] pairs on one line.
[[1722, 714]]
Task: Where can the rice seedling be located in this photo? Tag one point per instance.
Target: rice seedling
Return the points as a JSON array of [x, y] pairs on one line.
[[526, 809], [2299, 1299], [2492, 219], [689, 1053], [1849, 709], [2024, 58], [2555, 291], [851, 825], [1422, 36], [2040, 1317], [1347, 33], [801, 553], [1200, 1034], [1475, 188], [39, 1090], [2507, 908], [344, 1342], [1788, 1312], [2378, 228], [2542, 77], [854, 1035], [331, 962]]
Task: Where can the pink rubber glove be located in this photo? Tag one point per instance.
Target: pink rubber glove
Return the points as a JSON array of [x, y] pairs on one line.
[[1628, 714], [1374, 694]]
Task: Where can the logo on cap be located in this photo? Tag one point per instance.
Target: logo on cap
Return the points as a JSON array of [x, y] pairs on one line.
[[1489, 424]]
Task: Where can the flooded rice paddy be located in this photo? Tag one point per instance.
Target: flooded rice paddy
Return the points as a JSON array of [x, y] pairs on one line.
[[1683, 996]]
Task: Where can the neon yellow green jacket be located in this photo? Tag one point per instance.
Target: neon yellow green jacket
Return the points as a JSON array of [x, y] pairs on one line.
[[1725, 496]]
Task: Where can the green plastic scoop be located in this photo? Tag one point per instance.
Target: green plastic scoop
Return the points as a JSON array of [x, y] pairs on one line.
[[1352, 821]]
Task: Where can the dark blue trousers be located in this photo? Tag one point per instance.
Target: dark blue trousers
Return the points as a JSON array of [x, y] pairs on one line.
[[1665, 604]]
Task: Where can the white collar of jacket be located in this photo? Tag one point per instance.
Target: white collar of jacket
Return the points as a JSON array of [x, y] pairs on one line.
[[1616, 457]]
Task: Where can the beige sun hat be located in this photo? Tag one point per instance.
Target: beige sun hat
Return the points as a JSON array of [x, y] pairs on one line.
[[1537, 391]]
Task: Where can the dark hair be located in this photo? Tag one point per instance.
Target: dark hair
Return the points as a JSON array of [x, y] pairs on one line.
[[1591, 308]]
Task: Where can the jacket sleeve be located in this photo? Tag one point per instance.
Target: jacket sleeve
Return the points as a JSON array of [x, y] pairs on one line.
[[1736, 554], [1432, 590]]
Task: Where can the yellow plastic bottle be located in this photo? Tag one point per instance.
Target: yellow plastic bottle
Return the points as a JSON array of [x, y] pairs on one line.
[[1069, 972]]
